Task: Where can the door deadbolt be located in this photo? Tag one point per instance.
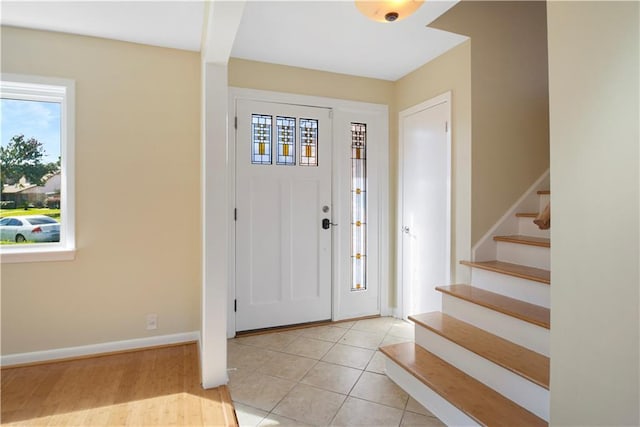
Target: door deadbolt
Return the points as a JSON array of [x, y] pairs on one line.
[[326, 223]]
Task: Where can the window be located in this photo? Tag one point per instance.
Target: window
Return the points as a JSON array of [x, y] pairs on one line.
[[36, 160], [261, 139], [308, 142], [358, 206], [286, 140]]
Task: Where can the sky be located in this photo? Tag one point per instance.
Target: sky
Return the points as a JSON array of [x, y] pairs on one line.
[[33, 119]]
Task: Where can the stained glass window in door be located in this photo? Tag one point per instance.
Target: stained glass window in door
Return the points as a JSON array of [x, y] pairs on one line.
[[286, 140], [308, 142], [358, 206], [261, 139]]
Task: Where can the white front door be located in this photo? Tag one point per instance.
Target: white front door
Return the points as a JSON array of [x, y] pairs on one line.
[[283, 194], [425, 206]]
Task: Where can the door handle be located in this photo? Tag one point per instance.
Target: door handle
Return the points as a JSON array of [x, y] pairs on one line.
[[326, 224]]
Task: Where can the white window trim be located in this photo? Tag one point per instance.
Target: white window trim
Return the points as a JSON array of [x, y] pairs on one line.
[[36, 88]]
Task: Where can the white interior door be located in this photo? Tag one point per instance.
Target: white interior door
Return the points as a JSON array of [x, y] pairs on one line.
[[283, 194], [425, 206]]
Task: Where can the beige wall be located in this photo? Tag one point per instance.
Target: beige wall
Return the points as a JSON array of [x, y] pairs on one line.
[[509, 93], [594, 98], [449, 72], [302, 81], [137, 197]]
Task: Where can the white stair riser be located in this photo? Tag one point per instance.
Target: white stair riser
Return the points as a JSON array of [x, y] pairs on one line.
[[526, 227], [514, 287], [440, 407], [514, 387], [544, 199], [527, 335], [531, 256]]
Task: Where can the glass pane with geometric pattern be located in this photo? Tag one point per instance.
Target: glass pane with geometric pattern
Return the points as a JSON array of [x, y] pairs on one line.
[[260, 139], [308, 142], [286, 140], [358, 206]]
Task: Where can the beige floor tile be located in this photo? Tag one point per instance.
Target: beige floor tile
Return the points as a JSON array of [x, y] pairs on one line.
[[380, 389], [248, 357], [377, 363], [390, 339], [332, 377], [379, 324], [310, 405], [308, 347], [248, 416], [404, 330], [325, 333], [369, 340], [259, 391], [287, 366], [346, 355], [272, 341], [237, 375], [343, 325], [295, 332], [357, 412], [412, 419], [278, 420], [415, 406]]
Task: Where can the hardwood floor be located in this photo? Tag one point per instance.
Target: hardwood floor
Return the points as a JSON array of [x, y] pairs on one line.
[[154, 387]]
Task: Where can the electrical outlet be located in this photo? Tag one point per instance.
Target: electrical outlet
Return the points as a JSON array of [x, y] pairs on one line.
[[152, 321]]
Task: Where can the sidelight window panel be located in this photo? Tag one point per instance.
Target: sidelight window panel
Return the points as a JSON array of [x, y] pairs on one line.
[[358, 206]]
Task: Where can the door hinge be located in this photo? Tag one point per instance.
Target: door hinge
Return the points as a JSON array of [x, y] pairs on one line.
[[235, 214], [446, 127], [235, 305], [235, 122]]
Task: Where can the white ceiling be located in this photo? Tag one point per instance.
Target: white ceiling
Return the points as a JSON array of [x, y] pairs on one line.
[[323, 35]]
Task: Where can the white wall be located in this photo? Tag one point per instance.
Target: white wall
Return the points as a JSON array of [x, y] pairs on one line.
[[593, 84]]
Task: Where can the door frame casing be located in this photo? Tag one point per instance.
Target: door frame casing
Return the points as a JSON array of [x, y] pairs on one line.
[[340, 108], [437, 100]]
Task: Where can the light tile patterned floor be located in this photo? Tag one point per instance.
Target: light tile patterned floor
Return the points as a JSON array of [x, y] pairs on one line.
[[325, 375]]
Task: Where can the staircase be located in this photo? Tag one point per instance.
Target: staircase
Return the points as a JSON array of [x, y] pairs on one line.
[[484, 360]]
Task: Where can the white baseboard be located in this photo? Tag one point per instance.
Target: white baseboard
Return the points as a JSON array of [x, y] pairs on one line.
[[96, 349]]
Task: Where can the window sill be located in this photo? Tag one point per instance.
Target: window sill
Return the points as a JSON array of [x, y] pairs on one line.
[[38, 254]]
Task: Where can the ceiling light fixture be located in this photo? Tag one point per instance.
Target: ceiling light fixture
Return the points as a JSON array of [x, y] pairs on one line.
[[388, 11]]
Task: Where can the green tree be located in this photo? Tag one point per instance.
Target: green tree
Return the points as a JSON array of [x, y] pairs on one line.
[[23, 158]]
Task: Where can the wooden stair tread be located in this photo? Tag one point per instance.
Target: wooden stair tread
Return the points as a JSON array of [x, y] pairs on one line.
[[519, 360], [526, 214], [525, 240], [516, 270], [476, 400], [541, 192], [512, 307]]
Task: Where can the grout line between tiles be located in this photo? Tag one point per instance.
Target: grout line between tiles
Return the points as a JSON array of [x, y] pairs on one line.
[[385, 335]]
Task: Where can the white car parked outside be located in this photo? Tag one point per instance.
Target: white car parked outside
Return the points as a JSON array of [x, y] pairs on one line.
[[32, 228]]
